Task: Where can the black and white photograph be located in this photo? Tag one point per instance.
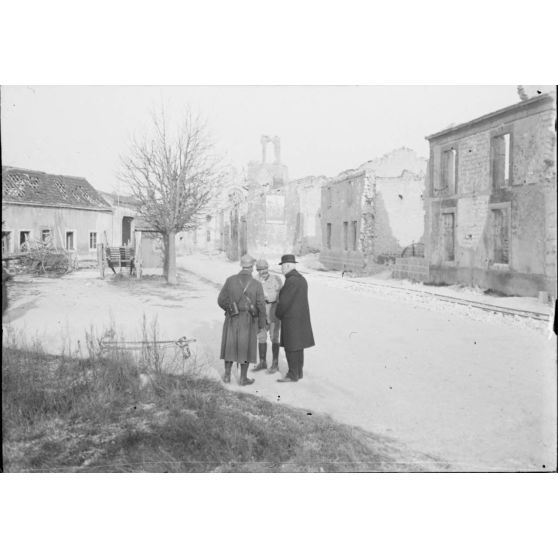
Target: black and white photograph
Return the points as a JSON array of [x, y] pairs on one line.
[[278, 279]]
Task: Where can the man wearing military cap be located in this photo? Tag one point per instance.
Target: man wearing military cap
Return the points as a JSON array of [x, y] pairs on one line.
[[294, 312], [271, 284], [242, 299]]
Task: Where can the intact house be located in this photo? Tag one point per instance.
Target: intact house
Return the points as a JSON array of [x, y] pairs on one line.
[[370, 214], [65, 211], [491, 201]]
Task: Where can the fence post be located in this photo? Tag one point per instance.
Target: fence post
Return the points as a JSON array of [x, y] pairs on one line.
[[101, 259]]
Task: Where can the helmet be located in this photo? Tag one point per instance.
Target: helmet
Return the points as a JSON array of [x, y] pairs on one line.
[[246, 261], [262, 264]]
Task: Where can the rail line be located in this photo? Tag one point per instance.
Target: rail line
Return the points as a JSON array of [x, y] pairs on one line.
[[540, 316]]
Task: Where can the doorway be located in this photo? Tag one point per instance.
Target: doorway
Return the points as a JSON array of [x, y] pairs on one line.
[[126, 230]]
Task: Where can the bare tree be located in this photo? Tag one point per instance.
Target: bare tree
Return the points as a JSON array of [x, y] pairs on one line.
[[173, 175]]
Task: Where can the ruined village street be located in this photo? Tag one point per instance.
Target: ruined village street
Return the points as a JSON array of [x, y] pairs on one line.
[[462, 385]]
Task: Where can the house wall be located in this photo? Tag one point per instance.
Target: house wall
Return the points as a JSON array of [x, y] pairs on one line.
[[304, 210], [152, 250], [530, 198], [21, 217], [269, 221], [345, 203], [118, 214], [402, 197]]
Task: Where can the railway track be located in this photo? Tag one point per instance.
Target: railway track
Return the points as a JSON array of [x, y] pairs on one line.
[[540, 316]]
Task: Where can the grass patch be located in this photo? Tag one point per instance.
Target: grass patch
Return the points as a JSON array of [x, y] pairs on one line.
[[99, 414]]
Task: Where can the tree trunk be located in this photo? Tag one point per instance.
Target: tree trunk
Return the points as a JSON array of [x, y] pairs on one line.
[[171, 259], [166, 256]]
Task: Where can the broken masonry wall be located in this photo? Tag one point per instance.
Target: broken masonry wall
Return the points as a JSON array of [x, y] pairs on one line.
[[528, 200]]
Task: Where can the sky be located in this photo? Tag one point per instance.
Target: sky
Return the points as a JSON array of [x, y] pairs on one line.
[[84, 130]]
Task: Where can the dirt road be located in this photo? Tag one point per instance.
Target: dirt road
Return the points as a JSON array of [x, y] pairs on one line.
[[479, 392]]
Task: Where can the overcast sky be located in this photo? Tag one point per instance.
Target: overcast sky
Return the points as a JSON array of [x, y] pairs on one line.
[[83, 130]]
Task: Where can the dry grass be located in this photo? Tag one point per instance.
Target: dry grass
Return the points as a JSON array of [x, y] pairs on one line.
[[117, 413]]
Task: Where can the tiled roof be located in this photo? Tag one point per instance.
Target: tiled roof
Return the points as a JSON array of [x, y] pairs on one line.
[[39, 188], [119, 200]]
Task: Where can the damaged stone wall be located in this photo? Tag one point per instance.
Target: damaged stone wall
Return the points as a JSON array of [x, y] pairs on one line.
[[528, 200], [269, 206], [304, 197], [390, 212], [348, 199]]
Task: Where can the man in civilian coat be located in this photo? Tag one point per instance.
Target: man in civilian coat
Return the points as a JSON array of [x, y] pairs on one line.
[[240, 330], [294, 312]]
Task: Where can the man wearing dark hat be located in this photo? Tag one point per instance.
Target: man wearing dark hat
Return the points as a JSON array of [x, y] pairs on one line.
[[294, 312], [242, 298], [271, 284]]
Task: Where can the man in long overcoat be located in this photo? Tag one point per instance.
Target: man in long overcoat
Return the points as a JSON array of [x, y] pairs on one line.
[[240, 294], [294, 312]]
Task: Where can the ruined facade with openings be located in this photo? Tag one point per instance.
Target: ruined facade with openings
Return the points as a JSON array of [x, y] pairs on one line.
[[491, 201], [370, 214]]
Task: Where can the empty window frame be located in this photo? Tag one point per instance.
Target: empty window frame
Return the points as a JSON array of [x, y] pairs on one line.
[[350, 193], [24, 237], [449, 171], [92, 240], [448, 232], [208, 235], [500, 235], [46, 235], [501, 161], [328, 235], [7, 241], [70, 240], [354, 235], [328, 197]]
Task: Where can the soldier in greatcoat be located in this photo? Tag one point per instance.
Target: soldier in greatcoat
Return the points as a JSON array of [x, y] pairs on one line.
[[242, 298], [294, 312]]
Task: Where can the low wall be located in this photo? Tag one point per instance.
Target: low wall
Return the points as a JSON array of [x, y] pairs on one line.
[[412, 268], [504, 281]]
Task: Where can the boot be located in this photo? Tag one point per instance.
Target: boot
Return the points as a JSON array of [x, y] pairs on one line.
[[275, 363], [244, 380], [292, 361], [262, 347], [227, 376]]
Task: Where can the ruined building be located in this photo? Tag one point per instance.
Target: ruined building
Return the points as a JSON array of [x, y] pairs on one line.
[[249, 212], [491, 200], [369, 214], [304, 208], [64, 211], [266, 200]]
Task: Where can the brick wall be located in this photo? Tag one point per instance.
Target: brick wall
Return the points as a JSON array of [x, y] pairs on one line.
[[412, 268]]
